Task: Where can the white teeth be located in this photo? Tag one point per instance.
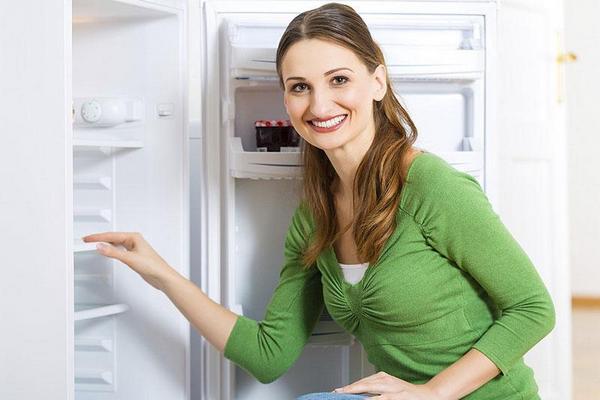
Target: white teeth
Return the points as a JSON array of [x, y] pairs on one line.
[[329, 123]]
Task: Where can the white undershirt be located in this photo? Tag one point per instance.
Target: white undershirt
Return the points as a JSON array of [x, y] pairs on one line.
[[353, 273]]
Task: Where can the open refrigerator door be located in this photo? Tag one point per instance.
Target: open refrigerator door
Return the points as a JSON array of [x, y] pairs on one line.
[[130, 174]]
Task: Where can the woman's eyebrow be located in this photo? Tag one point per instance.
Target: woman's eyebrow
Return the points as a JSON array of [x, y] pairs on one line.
[[299, 78]]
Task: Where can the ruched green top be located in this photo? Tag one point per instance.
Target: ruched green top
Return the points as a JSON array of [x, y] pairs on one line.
[[451, 277]]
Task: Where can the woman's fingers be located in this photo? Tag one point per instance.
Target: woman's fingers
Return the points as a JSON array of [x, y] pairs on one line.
[[127, 239], [114, 252], [380, 382]]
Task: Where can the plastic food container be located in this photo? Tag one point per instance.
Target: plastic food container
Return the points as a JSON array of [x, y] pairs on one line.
[[276, 135]]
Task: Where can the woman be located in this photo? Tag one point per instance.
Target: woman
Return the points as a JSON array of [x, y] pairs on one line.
[[449, 302]]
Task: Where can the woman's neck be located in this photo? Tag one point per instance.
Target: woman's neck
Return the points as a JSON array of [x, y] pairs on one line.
[[346, 159]]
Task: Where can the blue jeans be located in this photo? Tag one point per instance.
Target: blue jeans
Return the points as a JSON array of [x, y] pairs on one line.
[[331, 396]]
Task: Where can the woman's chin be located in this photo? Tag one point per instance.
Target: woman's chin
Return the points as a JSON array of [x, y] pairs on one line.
[[328, 143]]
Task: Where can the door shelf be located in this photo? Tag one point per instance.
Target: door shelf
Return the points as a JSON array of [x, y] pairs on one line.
[[84, 279], [94, 380], [461, 158], [108, 10], [273, 165], [92, 182], [79, 246], [84, 144], [92, 214], [93, 344], [256, 62], [263, 165], [470, 162], [91, 312]]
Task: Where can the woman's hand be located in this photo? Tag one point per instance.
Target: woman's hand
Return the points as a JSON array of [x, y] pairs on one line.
[[137, 254], [390, 388]]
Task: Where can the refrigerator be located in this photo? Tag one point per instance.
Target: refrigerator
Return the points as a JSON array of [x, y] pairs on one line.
[[140, 117]]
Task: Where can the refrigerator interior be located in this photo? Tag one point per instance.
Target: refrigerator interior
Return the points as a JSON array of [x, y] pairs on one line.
[[129, 174], [437, 66]]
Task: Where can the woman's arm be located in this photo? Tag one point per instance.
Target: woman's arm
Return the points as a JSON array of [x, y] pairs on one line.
[[466, 375], [265, 349], [210, 319], [459, 222]]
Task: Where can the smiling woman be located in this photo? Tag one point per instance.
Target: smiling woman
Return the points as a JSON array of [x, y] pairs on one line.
[[449, 302]]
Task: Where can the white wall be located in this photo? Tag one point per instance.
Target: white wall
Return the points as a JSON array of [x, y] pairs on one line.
[[582, 35]]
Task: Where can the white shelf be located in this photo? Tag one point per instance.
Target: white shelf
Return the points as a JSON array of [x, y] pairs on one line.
[[92, 278], [92, 214], [461, 158], [94, 380], [90, 312], [93, 344], [92, 182], [90, 11], [79, 246], [471, 162], [263, 165], [274, 165], [82, 144], [411, 61]]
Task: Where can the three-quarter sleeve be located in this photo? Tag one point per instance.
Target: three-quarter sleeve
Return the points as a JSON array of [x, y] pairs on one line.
[[267, 349], [459, 222]]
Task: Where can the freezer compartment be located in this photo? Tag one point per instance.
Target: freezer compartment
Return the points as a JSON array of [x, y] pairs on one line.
[[421, 46]]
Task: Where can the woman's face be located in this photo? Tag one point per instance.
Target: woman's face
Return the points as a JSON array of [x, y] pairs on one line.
[[329, 93]]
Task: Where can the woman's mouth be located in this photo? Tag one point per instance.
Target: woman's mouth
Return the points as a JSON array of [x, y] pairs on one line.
[[329, 125]]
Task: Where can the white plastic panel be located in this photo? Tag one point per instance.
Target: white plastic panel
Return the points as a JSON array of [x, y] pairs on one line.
[[423, 45], [86, 11]]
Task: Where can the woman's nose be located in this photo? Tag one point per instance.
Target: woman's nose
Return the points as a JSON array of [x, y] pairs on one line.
[[321, 103]]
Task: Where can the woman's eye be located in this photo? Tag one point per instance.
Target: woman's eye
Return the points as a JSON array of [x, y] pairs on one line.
[[340, 80], [299, 87]]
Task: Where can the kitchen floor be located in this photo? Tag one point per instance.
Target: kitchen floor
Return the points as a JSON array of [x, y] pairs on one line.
[[586, 353]]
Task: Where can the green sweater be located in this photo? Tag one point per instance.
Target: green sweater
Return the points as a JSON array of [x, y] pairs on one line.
[[451, 277]]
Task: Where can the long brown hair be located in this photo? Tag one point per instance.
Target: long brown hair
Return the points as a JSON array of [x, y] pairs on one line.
[[379, 177]]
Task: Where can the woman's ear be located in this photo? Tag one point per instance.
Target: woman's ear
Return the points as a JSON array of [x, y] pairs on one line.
[[380, 81]]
